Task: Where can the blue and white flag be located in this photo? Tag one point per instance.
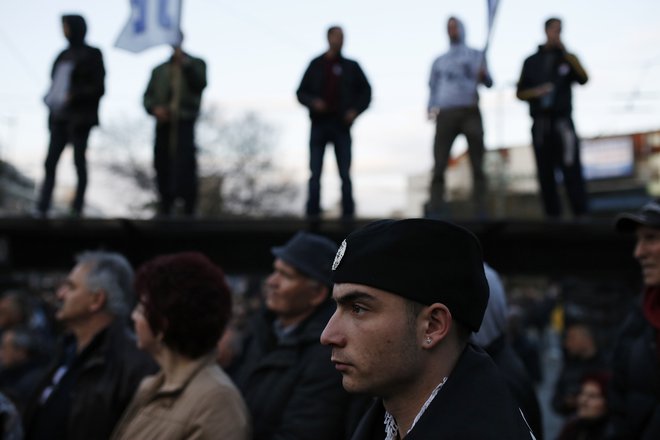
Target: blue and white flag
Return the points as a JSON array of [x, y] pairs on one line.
[[152, 22]]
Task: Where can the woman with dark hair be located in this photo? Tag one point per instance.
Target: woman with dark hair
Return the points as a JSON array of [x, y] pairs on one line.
[[592, 412], [183, 307]]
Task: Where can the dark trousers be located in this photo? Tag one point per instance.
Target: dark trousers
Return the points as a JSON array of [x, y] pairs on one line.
[[333, 131], [449, 124], [62, 133], [556, 146], [176, 166]]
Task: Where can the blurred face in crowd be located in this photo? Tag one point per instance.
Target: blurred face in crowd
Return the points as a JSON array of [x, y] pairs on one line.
[[553, 33], [453, 30], [579, 341], [373, 340], [145, 336], [291, 295], [647, 252], [76, 301], [9, 316], [591, 402], [336, 39], [10, 354]]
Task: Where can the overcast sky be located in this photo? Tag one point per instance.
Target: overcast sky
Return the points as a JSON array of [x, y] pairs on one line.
[[257, 50]]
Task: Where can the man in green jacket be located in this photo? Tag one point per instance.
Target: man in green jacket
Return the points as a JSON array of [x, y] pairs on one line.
[[173, 97]]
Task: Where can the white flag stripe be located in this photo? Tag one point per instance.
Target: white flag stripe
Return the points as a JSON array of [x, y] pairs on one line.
[[152, 22]]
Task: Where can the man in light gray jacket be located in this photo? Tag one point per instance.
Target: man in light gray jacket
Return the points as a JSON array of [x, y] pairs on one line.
[[453, 104]]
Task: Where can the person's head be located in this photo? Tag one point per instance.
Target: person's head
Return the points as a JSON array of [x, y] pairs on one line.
[[592, 398], [14, 309], [553, 31], [646, 225], [300, 281], [99, 284], [409, 293], [74, 29], [579, 341], [455, 30], [17, 346], [335, 39], [184, 304]]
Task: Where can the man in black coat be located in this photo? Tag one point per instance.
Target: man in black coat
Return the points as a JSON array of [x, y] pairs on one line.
[[285, 375], [73, 100], [409, 295], [336, 91], [634, 394], [98, 366], [545, 83]]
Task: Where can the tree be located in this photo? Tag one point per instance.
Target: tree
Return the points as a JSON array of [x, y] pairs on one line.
[[237, 171]]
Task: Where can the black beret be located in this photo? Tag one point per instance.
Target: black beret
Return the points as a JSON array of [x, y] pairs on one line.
[[427, 261]]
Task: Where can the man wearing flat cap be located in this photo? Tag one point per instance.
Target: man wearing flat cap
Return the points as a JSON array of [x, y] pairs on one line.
[[289, 384], [634, 394], [409, 294]]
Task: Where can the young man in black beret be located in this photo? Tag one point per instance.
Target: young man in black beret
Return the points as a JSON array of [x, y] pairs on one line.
[[409, 295]]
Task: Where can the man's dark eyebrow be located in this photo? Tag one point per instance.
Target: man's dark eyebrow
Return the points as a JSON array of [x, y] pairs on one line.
[[354, 296]]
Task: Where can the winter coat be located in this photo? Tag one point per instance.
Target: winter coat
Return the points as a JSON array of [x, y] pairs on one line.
[[634, 393], [159, 91], [473, 404], [291, 387], [206, 406], [87, 77], [354, 88], [106, 382]]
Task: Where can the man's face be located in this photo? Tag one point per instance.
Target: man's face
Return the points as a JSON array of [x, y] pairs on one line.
[[373, 341], [146, 340], [553, 33], [290, 294], [75, 298], [647, 252], [10, 354], [336, 39], [453, 30]]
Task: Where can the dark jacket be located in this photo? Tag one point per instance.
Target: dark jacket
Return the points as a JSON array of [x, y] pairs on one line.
[[583, 429], [474, 404], [193, 81], [354, 88], [291, 387], [634, 393], [552, 66], [106, 382], [519, 382], [87, 76]]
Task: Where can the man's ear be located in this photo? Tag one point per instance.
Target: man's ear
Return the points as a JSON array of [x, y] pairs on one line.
[[99, 300], [437, 321], [320, 293]]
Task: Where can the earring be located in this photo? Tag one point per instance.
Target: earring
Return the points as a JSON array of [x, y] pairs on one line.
[[428, 340]]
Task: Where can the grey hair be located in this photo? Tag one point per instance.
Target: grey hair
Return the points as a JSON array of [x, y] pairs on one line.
[[112, 273]]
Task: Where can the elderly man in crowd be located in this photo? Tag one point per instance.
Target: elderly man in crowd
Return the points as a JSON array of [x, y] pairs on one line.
[[284, 373], [98, 367], [409, 295]]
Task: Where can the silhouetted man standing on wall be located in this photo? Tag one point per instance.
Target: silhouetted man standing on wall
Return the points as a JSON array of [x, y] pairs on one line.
[[454, 106], [73, 99], [336, 91], [173, 97], [545, 82]]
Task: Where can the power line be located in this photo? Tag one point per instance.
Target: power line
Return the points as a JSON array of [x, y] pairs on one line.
[[19, 56]]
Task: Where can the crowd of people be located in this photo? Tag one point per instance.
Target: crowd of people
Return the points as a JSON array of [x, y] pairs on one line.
[[401, 331]]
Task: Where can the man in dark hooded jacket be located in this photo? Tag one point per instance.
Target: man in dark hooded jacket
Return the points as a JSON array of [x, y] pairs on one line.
[[73, 99]]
